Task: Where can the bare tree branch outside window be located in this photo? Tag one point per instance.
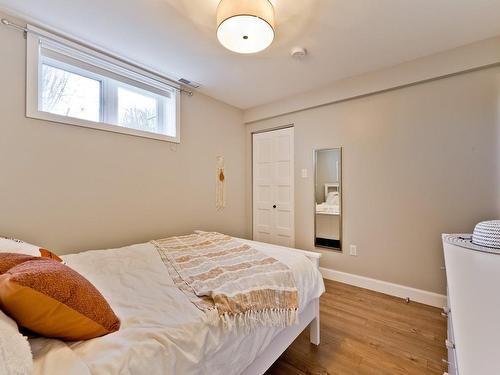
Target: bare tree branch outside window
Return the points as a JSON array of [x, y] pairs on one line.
[[139, 118], [54, 84]]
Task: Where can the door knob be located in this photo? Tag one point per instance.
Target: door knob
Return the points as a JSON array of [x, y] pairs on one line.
[[274, 206]]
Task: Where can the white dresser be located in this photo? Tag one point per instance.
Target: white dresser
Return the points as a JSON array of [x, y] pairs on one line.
[[473, 311]]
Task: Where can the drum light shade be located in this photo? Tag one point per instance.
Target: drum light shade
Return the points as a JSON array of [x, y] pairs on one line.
[[245, 26]]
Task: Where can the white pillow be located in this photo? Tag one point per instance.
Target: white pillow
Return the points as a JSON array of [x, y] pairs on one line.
[[332, 198], [11, 245], [15, 350]]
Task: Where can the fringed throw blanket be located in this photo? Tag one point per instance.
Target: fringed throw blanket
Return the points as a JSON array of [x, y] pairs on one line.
[[231, 281]]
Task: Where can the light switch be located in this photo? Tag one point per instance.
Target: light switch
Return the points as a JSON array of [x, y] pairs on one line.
[[304, 173], [353, 250]]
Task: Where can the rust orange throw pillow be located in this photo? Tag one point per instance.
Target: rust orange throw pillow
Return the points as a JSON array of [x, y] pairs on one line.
[[53, 300], [9, 260]]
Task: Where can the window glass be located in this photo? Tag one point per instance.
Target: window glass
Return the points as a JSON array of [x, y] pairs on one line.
[[69, 94], [138, 110]]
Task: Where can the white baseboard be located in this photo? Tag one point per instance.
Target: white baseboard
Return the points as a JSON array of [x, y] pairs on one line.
[[396, 290]]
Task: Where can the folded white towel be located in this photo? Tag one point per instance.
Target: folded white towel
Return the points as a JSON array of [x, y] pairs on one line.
[[15, 351]]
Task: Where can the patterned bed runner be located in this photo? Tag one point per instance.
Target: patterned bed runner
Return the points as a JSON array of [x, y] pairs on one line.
[[231, 281]]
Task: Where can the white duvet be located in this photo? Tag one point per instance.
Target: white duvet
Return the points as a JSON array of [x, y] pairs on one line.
[[161, 331]]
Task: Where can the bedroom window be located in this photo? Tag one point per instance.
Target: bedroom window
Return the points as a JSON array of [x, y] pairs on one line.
[[71, 84]]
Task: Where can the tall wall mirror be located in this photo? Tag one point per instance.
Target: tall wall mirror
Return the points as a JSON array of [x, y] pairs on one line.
[[328, 198]]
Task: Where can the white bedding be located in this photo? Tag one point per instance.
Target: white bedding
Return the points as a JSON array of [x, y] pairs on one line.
[[161, 331], [322, 208]]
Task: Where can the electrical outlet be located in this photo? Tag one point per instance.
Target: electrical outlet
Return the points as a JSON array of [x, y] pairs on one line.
[[304, 173], [353, 250]]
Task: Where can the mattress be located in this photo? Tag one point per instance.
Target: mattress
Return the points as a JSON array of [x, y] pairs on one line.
[[161, 332]]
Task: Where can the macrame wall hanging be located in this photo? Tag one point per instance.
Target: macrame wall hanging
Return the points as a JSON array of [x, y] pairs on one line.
[[220, 191]]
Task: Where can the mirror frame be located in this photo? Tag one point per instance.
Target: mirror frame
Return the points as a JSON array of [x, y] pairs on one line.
[[341, 199]]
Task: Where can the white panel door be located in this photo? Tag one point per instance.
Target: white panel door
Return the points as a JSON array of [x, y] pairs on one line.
[[273, 193]]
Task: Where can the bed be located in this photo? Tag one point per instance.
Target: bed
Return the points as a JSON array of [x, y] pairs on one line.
[[162, 332]]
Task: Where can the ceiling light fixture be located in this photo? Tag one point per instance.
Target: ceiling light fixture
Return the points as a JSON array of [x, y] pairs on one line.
[[245, 26]]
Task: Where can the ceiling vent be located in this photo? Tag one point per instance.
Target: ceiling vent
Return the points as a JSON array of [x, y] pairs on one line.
[[189, 83]]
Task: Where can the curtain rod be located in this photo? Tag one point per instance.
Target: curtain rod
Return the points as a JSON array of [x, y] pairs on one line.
[[15, 26]]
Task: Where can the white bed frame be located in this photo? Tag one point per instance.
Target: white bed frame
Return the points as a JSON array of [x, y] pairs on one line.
[[309, 316]]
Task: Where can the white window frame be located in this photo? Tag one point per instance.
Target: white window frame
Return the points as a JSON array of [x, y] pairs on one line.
[[135, 78]]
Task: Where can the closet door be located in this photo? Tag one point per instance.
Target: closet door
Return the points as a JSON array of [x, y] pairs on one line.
[[273, 189]]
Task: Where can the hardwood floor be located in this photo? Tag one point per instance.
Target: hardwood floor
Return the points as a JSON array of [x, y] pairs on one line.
[[365, 332]]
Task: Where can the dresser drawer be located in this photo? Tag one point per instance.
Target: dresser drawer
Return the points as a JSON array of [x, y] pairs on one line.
[[452, 362], [450, 344]]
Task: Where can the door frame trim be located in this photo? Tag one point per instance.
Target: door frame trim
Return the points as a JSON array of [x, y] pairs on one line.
[[280, 127], [267, 130]]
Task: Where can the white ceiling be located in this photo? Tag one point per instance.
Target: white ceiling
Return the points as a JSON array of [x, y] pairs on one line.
[[343, 37]]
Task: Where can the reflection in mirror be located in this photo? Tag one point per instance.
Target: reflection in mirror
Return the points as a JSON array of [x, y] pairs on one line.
[[328, 197]]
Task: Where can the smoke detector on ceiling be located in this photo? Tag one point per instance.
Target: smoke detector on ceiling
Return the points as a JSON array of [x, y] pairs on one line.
[[298, 52]]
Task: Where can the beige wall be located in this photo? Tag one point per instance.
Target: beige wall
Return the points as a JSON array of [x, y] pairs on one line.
[[418, 161], [484, 53], [71, 188]]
